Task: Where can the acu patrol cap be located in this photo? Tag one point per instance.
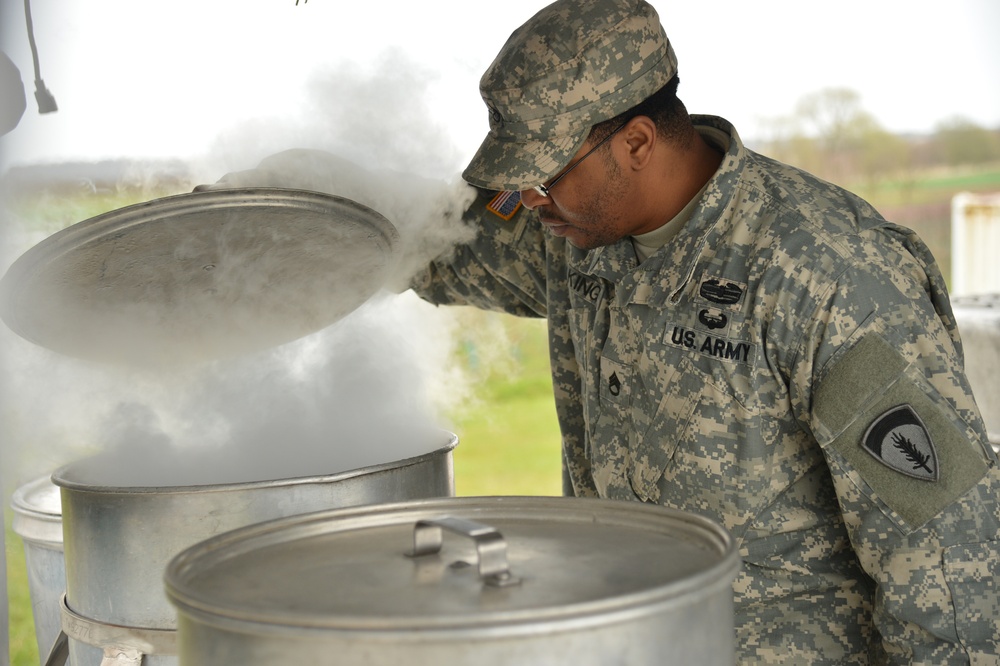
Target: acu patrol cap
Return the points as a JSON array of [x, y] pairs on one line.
[[574, 64]]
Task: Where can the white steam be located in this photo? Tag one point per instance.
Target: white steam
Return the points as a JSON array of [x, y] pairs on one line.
[[353, 395], [372, 388]]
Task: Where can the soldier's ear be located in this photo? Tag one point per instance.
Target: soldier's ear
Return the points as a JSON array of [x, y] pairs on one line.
[[640, 137]]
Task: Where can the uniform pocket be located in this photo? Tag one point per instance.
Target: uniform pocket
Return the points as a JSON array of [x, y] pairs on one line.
[[659, 438], [615, 383], [703, 445], [971, 571], [587, 358]]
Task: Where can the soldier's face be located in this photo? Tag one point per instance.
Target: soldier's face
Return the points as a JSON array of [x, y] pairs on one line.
[[587, 207]]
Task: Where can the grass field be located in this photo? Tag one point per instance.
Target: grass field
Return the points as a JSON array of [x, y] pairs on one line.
[[510, 438], [23, 649]]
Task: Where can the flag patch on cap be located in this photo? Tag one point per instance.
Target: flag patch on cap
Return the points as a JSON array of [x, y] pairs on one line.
[[505, 204], [899, 440]]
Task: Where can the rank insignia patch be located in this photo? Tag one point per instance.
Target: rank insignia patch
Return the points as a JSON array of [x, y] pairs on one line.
[[899, 440], [505, 204]]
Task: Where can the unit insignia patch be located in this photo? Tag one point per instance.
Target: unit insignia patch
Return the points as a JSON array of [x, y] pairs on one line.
[[899, 440]]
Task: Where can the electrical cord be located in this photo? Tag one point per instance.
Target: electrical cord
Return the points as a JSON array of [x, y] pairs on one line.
[[46, 102]]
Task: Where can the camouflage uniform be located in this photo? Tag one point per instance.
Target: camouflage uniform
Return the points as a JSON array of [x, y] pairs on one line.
[[787, 365], [739, 372]]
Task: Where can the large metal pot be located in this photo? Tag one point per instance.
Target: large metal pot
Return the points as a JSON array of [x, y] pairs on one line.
[[522, 581], [118, 539]]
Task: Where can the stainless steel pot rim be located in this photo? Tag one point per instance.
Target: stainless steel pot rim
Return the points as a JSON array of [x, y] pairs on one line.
[[716, 577], [38, 499], [38, 514], [59, 477], [452, 628]]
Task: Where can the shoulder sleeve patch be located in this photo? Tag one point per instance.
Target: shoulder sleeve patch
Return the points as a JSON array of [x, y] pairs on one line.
[[899, 440], [504, 204], [889, 431]]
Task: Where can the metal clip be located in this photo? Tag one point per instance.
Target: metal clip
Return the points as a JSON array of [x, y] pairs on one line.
[[123, 646]]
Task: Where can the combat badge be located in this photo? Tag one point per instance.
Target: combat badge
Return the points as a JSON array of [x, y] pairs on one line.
[[505, 204], [720, 291], [899, 440]]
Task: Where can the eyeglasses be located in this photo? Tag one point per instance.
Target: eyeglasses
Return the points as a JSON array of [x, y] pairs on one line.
[[545, 190]]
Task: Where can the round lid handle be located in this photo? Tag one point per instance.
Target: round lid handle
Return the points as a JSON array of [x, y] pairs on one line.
[[490, 546]]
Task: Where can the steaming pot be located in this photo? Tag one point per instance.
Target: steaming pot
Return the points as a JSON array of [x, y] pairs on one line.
[[484, 581], [118, 540]]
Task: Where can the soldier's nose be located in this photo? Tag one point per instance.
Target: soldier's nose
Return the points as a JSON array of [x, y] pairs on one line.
[[531, 199]]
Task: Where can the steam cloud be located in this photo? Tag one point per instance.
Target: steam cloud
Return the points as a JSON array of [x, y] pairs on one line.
[[371, 388]]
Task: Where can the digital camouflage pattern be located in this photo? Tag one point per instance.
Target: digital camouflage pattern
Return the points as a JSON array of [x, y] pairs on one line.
[[569, 67], [737, 372]]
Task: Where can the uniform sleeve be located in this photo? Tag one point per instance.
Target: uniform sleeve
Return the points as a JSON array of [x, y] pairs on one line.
[[883, 390], [504, 267]]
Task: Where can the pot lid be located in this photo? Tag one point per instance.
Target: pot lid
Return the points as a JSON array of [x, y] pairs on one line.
[[454, 563], [198, 276]]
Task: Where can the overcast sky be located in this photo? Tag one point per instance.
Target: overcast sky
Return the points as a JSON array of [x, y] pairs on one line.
[[186, 78]]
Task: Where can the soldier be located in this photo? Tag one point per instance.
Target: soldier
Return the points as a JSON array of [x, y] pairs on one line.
[[734, 337], [729, 336]]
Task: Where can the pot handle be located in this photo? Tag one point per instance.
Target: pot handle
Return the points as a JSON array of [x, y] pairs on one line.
[[490, 546]]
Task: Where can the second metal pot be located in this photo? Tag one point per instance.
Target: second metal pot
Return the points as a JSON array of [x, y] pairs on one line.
[[38, 521], [118, 541]]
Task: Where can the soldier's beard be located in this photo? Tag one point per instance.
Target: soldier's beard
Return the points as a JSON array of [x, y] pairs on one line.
[[601, 218]]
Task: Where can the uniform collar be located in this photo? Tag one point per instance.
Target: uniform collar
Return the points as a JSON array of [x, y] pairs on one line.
[[664, 275]]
